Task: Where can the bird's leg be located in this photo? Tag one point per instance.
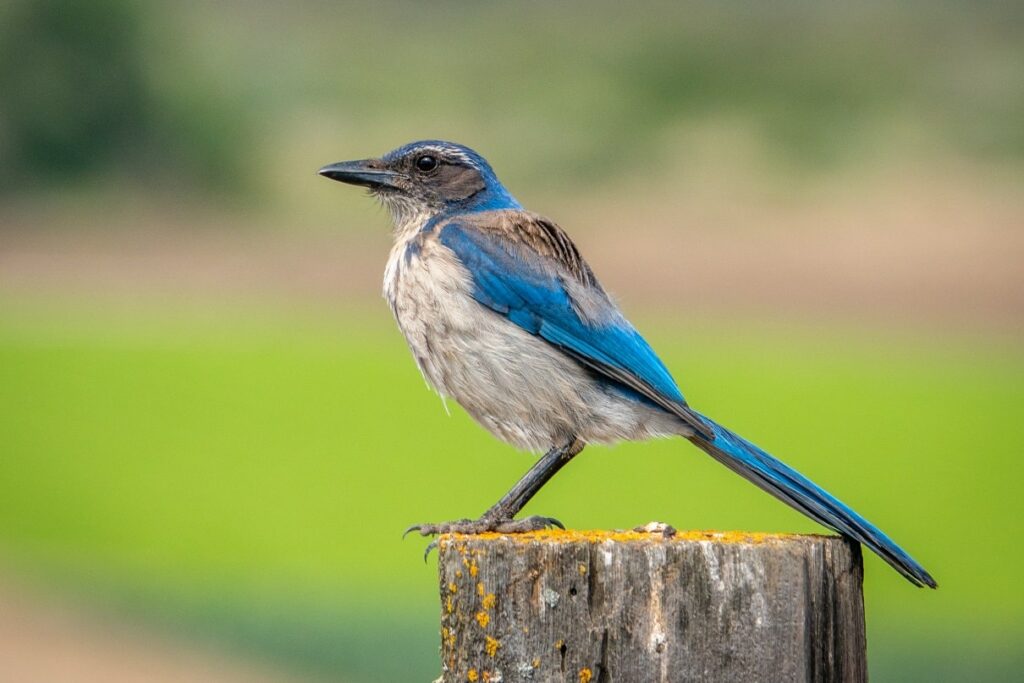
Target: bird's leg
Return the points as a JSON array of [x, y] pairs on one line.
[[526, 488], [500, 515]]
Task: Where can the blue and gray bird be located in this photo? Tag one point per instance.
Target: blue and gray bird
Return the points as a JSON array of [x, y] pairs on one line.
[[502, 314]]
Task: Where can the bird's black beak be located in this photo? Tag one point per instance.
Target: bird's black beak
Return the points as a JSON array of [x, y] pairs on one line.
[[366, 172]]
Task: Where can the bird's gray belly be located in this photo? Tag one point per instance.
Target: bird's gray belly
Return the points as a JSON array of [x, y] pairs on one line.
[[516, 385]]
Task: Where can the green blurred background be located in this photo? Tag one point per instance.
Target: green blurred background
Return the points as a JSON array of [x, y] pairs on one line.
[[211, 435]]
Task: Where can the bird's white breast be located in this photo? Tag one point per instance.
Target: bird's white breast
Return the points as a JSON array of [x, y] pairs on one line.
[[519, 387], [428, 291]]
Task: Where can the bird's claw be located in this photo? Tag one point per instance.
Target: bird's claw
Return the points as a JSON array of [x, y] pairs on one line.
[[481, 526], [461, 526], [552, 522]]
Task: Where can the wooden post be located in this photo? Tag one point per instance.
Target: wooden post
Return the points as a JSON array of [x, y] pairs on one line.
[[632, 607]]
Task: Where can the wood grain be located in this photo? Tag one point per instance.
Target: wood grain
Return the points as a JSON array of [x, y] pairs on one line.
[[630, 607]]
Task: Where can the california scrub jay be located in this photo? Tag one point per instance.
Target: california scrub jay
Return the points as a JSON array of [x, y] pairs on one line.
[[503, 314]]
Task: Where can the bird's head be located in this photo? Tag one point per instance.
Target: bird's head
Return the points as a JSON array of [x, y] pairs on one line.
[[426, 178]]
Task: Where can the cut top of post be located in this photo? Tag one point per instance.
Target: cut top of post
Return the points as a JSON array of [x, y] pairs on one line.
[[631, 536]]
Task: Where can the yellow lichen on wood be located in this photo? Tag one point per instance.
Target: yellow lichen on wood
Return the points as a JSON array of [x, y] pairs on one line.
[[602, 536], [489, 601], [483, 618], [480, 589], [491, 646], [472, 676], [586, 675]]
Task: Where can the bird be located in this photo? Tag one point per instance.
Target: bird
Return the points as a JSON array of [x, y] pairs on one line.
[[502, 313]]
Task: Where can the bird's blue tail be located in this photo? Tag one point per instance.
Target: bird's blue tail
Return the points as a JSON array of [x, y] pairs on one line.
[[793, 488]]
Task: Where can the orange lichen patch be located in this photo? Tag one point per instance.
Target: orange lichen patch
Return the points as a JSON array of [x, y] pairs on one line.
[[472, 676], [602, 536], [535, 663], [473, 569], [449, 606], [487, 678], [483, 618], [489, 601], [448, 638], [452, 588], [586, 675], [480, 590], [491, 646]]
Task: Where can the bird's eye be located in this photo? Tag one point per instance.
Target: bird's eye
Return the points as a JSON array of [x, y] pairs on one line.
[[426, 163]]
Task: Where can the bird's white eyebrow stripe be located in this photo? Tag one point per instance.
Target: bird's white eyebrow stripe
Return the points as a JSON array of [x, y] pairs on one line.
[[449, 153]]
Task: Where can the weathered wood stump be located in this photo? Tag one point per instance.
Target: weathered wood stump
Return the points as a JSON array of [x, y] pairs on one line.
[[631, 607]]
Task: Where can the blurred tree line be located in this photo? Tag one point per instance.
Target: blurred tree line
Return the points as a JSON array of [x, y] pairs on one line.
[[173, 94], [83, 91]]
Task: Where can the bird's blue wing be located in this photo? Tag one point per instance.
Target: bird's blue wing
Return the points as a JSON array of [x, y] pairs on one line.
[[525, 275], [529, 272]]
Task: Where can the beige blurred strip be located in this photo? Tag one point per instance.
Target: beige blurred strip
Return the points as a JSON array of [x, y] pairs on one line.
[[943, 250], [43, 640]]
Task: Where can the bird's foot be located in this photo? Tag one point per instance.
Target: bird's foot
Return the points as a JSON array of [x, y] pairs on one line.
[[485, 525], [480, 526]]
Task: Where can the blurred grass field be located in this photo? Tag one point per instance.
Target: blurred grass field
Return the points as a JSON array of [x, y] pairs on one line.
[[246, 477], [205, 426]]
